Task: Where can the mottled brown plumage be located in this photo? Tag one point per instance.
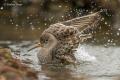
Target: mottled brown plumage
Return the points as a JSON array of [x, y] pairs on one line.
[[59, 40]]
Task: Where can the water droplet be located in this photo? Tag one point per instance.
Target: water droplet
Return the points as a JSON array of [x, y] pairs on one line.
[[118, 33], [16, 25], [106, 23], [28, 17], [62, 16], [119, 29], [45, 24], [1, 8], [60, 6], [102, 19], [10, 20], [107, 33], [31, 23], [109, 25], [108, 40], [114, 44], [32, 27]]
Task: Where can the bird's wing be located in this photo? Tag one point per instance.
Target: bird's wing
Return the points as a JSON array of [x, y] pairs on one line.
[[85, 22]]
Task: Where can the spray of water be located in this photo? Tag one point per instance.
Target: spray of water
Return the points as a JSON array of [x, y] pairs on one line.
[[82, 55]]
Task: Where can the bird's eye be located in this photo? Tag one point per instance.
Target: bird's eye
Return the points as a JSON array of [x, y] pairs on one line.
[[46, 41]]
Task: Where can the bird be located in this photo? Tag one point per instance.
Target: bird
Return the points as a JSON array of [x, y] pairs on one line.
[[59, 41]]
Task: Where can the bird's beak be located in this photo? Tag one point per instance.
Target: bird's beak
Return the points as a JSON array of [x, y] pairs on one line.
[[36, 46]]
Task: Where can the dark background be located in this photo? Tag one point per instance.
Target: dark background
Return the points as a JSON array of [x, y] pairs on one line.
[[26, 19]]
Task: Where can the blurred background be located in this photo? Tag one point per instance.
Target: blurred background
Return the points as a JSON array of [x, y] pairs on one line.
[[26, 19]]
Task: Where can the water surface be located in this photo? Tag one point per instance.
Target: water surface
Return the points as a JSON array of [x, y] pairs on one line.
[[98, 62]]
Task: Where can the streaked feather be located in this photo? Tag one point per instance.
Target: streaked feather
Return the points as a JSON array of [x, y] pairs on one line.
[[84, 22]]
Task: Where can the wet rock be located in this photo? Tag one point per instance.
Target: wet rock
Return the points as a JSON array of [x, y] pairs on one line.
[[13, 69]]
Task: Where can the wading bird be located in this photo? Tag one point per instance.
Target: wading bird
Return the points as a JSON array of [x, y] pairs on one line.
[[58, 42]]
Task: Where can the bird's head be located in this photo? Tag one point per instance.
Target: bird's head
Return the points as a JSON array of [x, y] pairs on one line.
[[46, 45], [47, 41]]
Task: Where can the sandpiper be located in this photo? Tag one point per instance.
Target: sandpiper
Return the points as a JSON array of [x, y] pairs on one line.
[[58, 42]]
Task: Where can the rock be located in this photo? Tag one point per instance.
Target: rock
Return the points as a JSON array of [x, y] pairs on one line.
[[13, 69]]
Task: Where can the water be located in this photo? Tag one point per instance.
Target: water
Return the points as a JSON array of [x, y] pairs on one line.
[[97, 62]]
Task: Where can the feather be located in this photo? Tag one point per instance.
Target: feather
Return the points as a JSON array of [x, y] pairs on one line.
[[82, 23]]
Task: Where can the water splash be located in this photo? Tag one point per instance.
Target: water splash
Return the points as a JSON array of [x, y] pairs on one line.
[[82, 55]]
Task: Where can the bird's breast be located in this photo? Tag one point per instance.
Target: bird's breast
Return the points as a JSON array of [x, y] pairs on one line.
[[44, 56]]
